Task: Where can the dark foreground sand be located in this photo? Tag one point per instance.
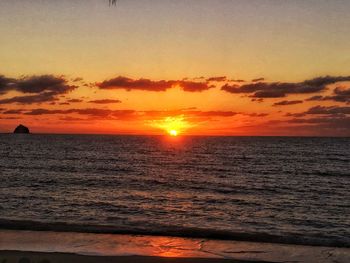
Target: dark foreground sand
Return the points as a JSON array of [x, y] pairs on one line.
[[35, 257], [65, 247]]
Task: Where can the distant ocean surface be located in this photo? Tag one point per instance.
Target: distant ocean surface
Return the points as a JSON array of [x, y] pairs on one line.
[[274, 189]]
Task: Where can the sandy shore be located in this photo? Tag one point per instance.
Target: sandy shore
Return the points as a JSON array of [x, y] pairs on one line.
[[36, 257], [38, 246]]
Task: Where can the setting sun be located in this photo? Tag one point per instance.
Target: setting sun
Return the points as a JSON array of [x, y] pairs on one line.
[[173, 132], [172, 125]]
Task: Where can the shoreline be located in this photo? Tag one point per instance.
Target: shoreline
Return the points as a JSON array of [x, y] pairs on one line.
[[103, 247], [44, 257], [173, 231]]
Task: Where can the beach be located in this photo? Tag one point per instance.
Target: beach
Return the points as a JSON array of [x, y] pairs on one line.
[[89, 247], [15, 256]]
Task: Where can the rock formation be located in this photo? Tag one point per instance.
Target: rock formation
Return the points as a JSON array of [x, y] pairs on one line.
[[21, 129]]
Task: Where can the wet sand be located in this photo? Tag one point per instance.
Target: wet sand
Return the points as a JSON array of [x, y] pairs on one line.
[[35, 257], [38, 246]]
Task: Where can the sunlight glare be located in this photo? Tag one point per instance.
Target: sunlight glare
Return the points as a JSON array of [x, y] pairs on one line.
[[172, 125], [173, 132]]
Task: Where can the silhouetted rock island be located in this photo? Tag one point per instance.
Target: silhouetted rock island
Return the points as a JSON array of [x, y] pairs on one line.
[[21, 129]]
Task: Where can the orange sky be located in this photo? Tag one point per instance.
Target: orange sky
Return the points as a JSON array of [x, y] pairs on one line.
[[144, 67]]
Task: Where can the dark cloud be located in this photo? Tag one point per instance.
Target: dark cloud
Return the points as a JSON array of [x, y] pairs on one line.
[[334, 125], [6, 84], [104, 101], [19, 111], [329, 110], [258, 79], [217, 79], [339, 95], [281, 89], [150, 85], [90, 112], [257, 114], [318, 120], [259, 100], [74, 100], [31, 99], [237, 80], [130, 84], [342, 91], [192, 86], [43, 112], [44, 83], [44, 88], [315, 98], [287, 102], [301, 114]]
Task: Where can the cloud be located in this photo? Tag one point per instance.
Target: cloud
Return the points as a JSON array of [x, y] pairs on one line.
[[217, 79], [282, 89], [259, 100], [150, 85], [18, 111], [340, 94], [315, 98], [258, 79], [334, 125], [105, 101], [31, 99], [74, 100], [342, 91], [257, 114], [45, 88], [329, 110], [237, 80], [44, 83], [300, 114], [287, 102], [5, 84], [90, 112], [192, 86], [77, 79], [43, 112], [130, 84]]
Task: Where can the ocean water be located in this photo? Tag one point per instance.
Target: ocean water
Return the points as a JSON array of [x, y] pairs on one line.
[[273, 189]]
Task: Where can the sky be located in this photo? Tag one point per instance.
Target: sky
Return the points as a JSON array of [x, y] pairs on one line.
[[225, 67]]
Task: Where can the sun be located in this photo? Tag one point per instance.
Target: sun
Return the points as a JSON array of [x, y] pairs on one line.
[[174, 125], [173, 132]]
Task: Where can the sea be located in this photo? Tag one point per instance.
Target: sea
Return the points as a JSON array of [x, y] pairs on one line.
[[293, 190]]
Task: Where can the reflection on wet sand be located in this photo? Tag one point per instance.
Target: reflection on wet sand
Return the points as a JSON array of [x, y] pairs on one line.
[[165, 247]]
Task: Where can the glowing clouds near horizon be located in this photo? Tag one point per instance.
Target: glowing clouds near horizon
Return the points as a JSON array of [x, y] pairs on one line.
[[174, 126]]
